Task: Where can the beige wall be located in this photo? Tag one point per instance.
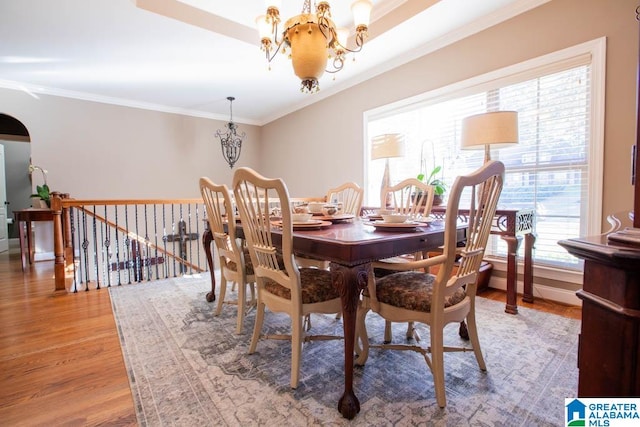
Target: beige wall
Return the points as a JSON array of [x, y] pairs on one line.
[[95, 150], [106, 151], [324, 141]]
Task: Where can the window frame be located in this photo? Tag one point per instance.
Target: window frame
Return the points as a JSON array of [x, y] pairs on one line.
[[592, 52]]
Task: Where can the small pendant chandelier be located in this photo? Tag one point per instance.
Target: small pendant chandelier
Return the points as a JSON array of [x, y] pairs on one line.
[[230, 140]]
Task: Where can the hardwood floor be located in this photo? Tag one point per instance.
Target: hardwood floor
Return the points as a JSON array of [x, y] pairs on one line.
[[60, 357]]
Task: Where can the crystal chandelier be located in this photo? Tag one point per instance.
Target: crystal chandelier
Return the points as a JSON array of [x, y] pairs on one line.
[[230, 140], [313, 38]]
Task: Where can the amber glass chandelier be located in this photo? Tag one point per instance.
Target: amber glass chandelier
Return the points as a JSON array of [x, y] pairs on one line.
[[312, 38]]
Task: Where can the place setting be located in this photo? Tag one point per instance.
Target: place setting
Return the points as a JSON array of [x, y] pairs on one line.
[[333, 213], [304, 221], [394, 221], [322, 212]]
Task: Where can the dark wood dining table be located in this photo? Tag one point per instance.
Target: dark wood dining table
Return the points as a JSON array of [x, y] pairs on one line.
[[351, 247]]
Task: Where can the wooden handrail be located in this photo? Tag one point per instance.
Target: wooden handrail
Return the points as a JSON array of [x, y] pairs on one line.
[[68, 202]]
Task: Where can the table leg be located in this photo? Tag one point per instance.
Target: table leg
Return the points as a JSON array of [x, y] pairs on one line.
[[350, 281], [513, 242], [30, 250], [23, 253], [529, 240], [207, 238]]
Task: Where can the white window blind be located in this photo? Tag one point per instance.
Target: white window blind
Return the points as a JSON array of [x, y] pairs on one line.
[[548, 170]]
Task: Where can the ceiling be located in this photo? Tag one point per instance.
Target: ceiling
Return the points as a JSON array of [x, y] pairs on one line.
[[188, 56]]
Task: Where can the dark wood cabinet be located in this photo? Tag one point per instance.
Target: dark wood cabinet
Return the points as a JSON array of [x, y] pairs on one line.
[[609, 346], [636, 161]]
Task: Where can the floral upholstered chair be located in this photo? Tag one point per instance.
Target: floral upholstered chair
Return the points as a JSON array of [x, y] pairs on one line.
[[281, 286], [412, 295], [235, 262]]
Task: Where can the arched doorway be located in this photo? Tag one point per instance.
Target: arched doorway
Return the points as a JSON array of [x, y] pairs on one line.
[[14, 136]]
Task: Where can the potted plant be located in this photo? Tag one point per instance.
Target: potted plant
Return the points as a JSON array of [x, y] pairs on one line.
[[439, 187], [42, 194]]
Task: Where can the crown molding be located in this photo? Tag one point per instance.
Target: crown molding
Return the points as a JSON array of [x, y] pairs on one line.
[[84, 96], [481, 24]]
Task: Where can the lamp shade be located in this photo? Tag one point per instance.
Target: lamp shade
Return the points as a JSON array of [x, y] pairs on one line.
[[493, 128], [361, 10], [387, 145]]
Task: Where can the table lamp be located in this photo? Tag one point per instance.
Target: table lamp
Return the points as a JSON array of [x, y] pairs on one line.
[[385, 147], [487, 129]]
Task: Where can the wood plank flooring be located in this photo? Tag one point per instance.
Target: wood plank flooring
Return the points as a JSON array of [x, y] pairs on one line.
[[60, 357]]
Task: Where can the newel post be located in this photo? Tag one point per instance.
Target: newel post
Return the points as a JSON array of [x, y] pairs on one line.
[[58, 242]]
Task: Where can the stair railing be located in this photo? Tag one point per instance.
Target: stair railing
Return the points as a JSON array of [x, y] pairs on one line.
[[100, 243]]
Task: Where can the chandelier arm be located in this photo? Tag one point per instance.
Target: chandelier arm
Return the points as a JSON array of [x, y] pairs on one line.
[[275, 33], [275, 52], [323, 22], [338, 63], [359, 44], [358, 49]]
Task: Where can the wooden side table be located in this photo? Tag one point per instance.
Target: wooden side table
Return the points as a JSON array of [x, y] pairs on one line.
[[512, 225], [25, 217]]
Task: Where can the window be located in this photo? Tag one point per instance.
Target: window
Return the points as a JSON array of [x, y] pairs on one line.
[[555, 169]]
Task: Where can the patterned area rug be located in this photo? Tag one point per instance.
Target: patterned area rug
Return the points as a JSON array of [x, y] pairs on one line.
[[189, 368]]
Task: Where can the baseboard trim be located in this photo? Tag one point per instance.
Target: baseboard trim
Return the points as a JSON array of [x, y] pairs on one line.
[[44, 256], [563, 296]]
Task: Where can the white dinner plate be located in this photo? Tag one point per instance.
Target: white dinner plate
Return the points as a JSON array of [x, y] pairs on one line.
[[408, 224], [314, 223], [427, 220], [338, 217], [395, 226]]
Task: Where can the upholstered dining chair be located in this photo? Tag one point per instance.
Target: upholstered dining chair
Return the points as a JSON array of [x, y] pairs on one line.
[[350, 195], [410, 295], [410, 197], [235, 262], [281, 286]]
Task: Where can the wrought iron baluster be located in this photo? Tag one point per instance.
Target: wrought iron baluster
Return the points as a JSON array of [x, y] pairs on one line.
[[155, 237], [107, 249], [85, 249], [148, 262], [173, 229], [95, 249], [117, 248], [164, 238], [136, 257], [103, 258], [127, 243]]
